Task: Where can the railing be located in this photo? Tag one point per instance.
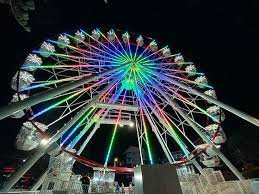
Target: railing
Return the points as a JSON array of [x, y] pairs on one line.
[[211, 182]]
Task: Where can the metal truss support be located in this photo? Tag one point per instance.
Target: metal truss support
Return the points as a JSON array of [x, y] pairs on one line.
[[200, 133], [231, 109], [89, 137], [116, 106], [196, 164], [43, 148], [40, 181], [160, 140], [139, 142]]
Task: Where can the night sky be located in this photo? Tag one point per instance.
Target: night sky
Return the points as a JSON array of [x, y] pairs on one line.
[[220, 37]]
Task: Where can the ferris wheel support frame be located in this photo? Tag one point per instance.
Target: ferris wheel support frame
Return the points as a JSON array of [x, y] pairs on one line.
[[40, 180], [229, 108], [162, 143], [82, 147], [201, 134], [10, 109], [42, 150], [195, 163], [139, 142], [89, 137]]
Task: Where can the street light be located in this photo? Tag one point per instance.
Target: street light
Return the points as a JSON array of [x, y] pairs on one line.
[[131, 124], [114, 161], [44, 141]]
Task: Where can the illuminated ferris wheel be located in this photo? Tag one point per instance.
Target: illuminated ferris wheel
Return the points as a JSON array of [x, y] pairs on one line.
[[75, 82]]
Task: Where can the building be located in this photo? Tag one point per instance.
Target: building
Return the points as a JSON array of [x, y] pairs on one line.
[[132, 156], [183, 169]]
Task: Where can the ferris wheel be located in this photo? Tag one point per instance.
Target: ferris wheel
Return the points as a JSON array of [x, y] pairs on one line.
[[75, 82]]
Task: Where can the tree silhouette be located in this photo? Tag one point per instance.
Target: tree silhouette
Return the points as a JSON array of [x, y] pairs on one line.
[[21, 9]]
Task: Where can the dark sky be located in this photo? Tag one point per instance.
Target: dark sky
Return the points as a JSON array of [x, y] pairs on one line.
[[221, 37]]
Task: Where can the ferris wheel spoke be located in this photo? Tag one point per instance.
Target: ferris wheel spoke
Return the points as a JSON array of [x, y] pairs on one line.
[[187, 102], [166, 116], [119, 54], [91, 46], [68, 113], [83, 52], [75, 103], [52, 82], [151, 97], [89, 123], [129, 48], [117, 51], [173, 70], [165, 122], [75, 57], [146, 59], [71, 67], [184, 100], [69, 97], [157, 74], [140, 57], [97, 116], [179, 127], [124, 53]]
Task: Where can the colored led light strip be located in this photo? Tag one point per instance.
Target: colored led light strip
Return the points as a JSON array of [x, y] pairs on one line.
[[146, 136], [114, 132]]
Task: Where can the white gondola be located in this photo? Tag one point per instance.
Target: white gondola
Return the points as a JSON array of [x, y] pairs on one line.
[[179, 59], [211, 93], [63, 41], [111, 35], [46, 49], [201, 81], [125, 37], [208, 149], [216, 113], [140, 41], [210, 162], [25, 79], [31, 61], [95, 34], [28, 137], [17, 98], [191, 70], [212, 128], [153, 46], [220, 138], [62, 162], [79, 36], [166, 51]]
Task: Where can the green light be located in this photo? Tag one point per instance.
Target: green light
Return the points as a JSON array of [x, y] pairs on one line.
[[128, 84]]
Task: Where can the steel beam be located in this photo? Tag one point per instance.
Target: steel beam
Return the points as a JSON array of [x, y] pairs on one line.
[[231, 109], [42, 149], [176, 107], [116, 106]]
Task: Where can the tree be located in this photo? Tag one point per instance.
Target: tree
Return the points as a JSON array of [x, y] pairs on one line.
[[21, 9]]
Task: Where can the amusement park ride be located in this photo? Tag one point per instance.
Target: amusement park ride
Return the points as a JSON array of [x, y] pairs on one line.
[[73, 83]]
